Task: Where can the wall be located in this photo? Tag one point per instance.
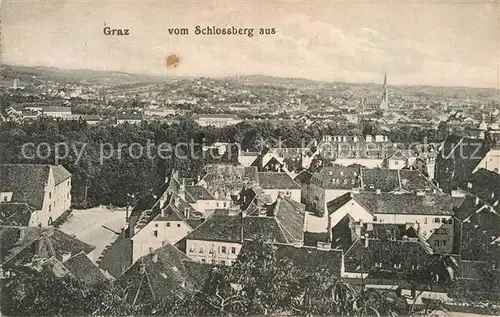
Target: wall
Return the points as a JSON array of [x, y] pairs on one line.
[[56, 200], [207, 207], [212, 251], [355, 210], [490, 162]]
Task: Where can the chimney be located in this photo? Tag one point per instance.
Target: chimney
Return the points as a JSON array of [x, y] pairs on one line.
[[366, 241], [182, 191], [154, 258], [66, 256], [142, 268], [186, 212], [477, 201]]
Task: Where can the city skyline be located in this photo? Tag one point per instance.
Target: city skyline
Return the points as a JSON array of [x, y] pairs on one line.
[[415, 43]]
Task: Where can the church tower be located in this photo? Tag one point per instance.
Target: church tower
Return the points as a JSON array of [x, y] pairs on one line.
[[384, 103]]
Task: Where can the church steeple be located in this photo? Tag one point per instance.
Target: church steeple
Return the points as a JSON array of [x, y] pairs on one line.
[[384, 103]]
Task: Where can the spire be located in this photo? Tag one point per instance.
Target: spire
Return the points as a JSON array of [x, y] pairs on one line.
[[385, 81], [384, 103]]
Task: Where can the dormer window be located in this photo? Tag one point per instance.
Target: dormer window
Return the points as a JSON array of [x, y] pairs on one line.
[[397, 265], [378, 264], [6, 196]]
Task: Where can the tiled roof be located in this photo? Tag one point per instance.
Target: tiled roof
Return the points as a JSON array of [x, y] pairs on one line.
[[360, 258], [338, 202], [15, 214], [311, 259], [415, 181], [337, 177], [129, 116], [391, 203], [26, 181], [60, 174], [194, 193], [56, 109], [383, 179], [485, 184], [283, 223], [45, 243], [157, 275], [457, 160], [304, 177], [273, 180], [84, 269]]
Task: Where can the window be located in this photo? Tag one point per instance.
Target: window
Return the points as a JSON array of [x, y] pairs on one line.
[[203, 261], [444, 220], [444, 231], [397, 266], [450, 221], [444, 243], [224, 204], [436, 220], [217, 205], [436, 243], [156, 225], [223, 262], [233, 250], [67, 195], [50, 195], [168, 224], [378, 264], [192, 248], [178, 225], [223, 249], [150, 249], [214, 262], [50, 207], [155, 233], [5, 198], [202, 249], [425, 220]]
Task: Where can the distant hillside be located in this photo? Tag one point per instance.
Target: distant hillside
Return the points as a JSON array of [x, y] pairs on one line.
[[64, 76]]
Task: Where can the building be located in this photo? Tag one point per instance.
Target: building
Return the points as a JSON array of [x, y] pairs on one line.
[[166, 219], [272, 183], [57, 112], [431, 215], [130, 118], [170, 272], [90, 119], [220, 238], [458, 158], [30, 247], [246, 158], [217, 120], [33, 194], [224, 180]]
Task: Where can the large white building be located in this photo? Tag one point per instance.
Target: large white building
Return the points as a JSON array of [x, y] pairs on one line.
[[33, 194], [217, 120]]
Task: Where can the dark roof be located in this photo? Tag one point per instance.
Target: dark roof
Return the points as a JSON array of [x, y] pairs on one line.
[[56, 109], [157, 275], [311, 259], [282, 222], [406, 203], [129, 116], [275, 180], [60, 174], [484, 184], [26, 182], [337, 177], [304, 177], [360, 258], [457, 160], [84, 269], [15, 214], [196, 192], [45, 243], [338, 202]]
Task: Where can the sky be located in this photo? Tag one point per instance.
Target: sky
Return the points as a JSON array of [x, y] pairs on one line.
[[443, 43]]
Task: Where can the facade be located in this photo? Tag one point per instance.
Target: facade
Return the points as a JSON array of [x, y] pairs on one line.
[[217, 120], [430, 214], [40, 192], [57, 112]]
